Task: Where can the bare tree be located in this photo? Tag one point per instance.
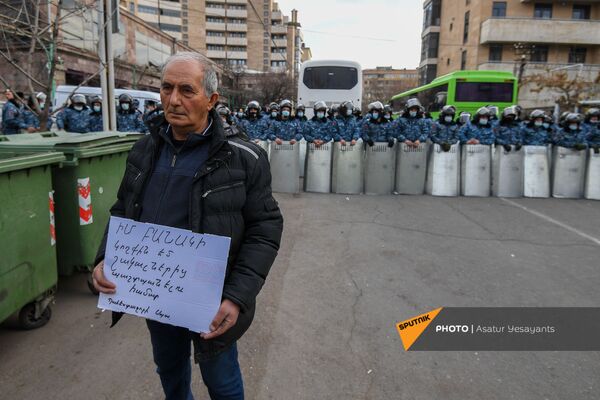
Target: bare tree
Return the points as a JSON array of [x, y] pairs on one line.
[[568, 90], [30, 30], [273, 86]]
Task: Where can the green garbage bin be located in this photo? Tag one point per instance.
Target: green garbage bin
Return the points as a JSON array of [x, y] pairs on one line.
[[28, 271], [85, 187]]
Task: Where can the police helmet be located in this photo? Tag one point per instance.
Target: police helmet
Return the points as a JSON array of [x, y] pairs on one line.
[[593, 112], [125, 98], [320, 106], [537, 114], [286, 103], [482, 112], [96, 99], [510, 111], [574, 117], [449, 110], [223, 110], [78, 99], [413, 102], [300, 107], [273, 107], [376, 106], [253, 105]]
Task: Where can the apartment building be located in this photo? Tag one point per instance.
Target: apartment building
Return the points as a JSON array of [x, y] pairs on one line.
[[381, 83], [247, 34], [523, 36]]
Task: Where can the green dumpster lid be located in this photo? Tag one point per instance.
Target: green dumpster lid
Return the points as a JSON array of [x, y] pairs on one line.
[[71, 143], [15, 162]]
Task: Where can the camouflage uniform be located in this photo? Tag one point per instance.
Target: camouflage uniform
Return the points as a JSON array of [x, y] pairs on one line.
[[72, 120]]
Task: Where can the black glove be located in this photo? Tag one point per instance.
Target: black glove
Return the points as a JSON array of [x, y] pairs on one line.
[[507, 147], [370, 142], [518, 146], [579, 146], [596, 149], [390, 142], [446, 146]]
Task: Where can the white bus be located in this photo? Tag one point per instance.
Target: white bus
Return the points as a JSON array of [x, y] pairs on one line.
[[333, 81]]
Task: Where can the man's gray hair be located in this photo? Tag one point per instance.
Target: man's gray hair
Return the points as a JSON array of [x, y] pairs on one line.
[[210, 80]]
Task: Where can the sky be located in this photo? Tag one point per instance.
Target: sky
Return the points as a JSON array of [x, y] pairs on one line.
[[372, 32]]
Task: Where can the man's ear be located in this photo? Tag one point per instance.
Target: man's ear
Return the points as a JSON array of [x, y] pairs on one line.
[[213, 100]]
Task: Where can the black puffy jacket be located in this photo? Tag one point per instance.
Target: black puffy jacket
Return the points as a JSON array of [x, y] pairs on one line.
[[231, 196]]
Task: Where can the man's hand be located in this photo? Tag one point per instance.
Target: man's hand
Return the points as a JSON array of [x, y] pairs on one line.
[[409, 143], [343, 142], [256, 141], [31, 129], [353, 142], [278, 141], [101, 284], [473, 141], [293, 141], [226, 318]]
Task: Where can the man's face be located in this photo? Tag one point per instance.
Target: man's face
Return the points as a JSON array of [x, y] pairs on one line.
[[182, 95], [9, 95]]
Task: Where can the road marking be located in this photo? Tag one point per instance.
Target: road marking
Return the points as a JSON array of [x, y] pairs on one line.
[[555, 222]]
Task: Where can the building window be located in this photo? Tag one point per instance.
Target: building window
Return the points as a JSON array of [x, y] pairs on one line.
[[236, 48], [214, 5], [429, 46], [132, 7], [466, 32], [577, 55], [215, 20], [236, 62], [147, 9], [463, 59], [431, 14], [215, 34], [499, 9], [495, 53], [215, 47], [170, 27], [581, 11], [237, 34], [236, 7], [236, 21], [542, 10], [539, 53], [170, 13]]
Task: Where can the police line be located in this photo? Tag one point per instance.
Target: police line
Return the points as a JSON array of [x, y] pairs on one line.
[[467, 170]]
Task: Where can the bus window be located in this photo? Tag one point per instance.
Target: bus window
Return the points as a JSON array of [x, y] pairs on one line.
[[330, 78], [434, 99], [484, 92]]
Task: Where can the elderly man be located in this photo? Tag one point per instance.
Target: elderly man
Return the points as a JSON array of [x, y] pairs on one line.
[[188, 174]]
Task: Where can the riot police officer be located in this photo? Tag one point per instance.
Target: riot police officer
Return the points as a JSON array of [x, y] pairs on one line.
[[445, 129], [533, 133], [508, 130], [76, 117], [96, 124], [592, 128], [284, 127], [128, 118], [411, 128], [571, 135], [480, 131], [346, 127], [319, 129], [253, 124], [375, 130]]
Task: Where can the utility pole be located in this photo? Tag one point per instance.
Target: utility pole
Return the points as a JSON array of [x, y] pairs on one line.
[[105, 54]]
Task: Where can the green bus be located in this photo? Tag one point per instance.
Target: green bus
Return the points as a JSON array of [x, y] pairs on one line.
[[465, 90]]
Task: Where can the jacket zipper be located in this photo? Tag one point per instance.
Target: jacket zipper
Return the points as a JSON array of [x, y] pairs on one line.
[[221, 188]]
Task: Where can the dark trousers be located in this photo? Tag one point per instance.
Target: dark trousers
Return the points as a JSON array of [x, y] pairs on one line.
[[171, 349]]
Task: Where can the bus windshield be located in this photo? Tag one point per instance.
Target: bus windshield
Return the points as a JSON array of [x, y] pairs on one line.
[[484, 92], [330, 78]]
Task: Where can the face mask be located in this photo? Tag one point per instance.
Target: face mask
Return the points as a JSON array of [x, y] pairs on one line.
[[538, 123], [448, 118], [97, 108], [375, 115], [274, 114], [573, 127], [348, 113], [300, 114], [594, 121], [387, 116], [412, 113], [285, 113], [125, 106], [78, 108], [546, 125], [240, 115], [483, 121], [320, 115]]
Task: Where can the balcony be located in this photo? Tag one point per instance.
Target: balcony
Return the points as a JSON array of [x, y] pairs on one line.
[[276, 15], [237, 2], [215, 40], [215, 26], [235, 41], [215, 12], [278, 56], [533, 30], [215, 54], [279, 29], [237, 13], [237, 28], [238, 55], [279, 42]]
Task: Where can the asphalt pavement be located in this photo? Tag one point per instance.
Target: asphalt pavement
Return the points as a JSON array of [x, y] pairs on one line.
[[349, 268]]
